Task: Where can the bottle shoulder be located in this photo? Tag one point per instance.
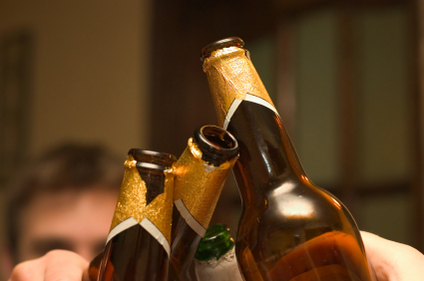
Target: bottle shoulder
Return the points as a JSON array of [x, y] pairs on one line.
[[295, 205]]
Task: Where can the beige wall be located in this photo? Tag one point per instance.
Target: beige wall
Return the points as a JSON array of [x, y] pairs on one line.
[[90, 69]]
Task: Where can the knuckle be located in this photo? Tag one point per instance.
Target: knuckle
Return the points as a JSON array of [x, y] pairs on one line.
[[22, 272]]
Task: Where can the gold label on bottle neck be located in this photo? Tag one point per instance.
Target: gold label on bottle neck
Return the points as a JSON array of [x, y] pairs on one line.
[[197, 187], [234, 77], [132, 203]]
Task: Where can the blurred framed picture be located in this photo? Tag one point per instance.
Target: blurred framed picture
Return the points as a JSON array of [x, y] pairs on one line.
[[15, 88]]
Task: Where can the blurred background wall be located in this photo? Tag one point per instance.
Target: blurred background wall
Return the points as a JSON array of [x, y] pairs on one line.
[[86, 68], [72, 71], [344, 75], [345, 78]]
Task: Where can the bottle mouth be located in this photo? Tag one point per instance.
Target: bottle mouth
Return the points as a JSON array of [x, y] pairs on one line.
[[150, 159], [227, 42], [216, 143]]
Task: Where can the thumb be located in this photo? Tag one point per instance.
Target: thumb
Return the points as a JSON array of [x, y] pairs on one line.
[[393, 261]]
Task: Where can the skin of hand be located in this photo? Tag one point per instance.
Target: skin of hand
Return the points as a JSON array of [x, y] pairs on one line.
[[393, 261], [54, 266]]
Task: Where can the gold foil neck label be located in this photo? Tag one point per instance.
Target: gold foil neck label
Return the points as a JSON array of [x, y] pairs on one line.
[[232, 75], [130, 163], [199, 184], [159, 211], [132, 200]]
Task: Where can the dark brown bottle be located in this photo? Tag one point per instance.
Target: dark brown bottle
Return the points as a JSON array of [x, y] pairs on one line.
[[290, 229], [200, 173], [138, 245]]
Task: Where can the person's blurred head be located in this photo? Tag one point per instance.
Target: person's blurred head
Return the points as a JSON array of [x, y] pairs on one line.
[[63, 200]]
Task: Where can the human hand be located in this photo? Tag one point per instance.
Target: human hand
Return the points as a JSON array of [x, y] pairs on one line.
[[393, 261], [54, 266]]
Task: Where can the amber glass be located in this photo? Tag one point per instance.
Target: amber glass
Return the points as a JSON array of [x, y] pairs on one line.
[[290, 229], [138, 245], [200, 174]]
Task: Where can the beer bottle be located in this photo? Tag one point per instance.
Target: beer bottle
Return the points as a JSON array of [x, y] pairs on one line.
[[289, 229], [215, 258], [138, 245], [200, 173]]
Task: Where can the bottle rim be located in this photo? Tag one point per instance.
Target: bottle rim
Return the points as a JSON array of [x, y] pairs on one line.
[[223, 43], [217, 144], [150, 159]]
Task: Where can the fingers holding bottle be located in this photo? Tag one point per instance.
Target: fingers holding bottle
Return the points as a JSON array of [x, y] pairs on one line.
[[393, 261], [55, 265]]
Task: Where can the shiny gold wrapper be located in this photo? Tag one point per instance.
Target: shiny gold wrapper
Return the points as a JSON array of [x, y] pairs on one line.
[[132, 200], [199, 184], [231, 70]]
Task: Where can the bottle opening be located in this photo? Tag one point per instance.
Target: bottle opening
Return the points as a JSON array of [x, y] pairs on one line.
[[216, 144], [227, 42], [150, 159]]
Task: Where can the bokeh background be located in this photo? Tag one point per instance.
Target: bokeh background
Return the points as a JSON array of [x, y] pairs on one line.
[[346, 76]]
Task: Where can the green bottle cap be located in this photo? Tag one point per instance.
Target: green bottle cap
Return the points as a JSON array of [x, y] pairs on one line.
[[216, 243]]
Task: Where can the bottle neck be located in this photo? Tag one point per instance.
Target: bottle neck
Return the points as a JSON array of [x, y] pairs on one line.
[[232, 76], [200, 174], [245, 109], [267, 156], [146, 193]]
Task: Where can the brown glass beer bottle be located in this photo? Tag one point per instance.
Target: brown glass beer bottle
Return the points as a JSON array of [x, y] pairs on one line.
[[138, 245], [290, 229], [200, 173]]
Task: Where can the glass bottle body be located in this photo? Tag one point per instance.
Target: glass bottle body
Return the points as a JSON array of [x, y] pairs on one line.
[[290, 229], [134, 254], [184, 243], [284, 212]]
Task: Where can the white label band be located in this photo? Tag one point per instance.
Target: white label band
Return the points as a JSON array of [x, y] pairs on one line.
[[123, 225], [188, 217], [237, 102], [156, 233], [147, 225]]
